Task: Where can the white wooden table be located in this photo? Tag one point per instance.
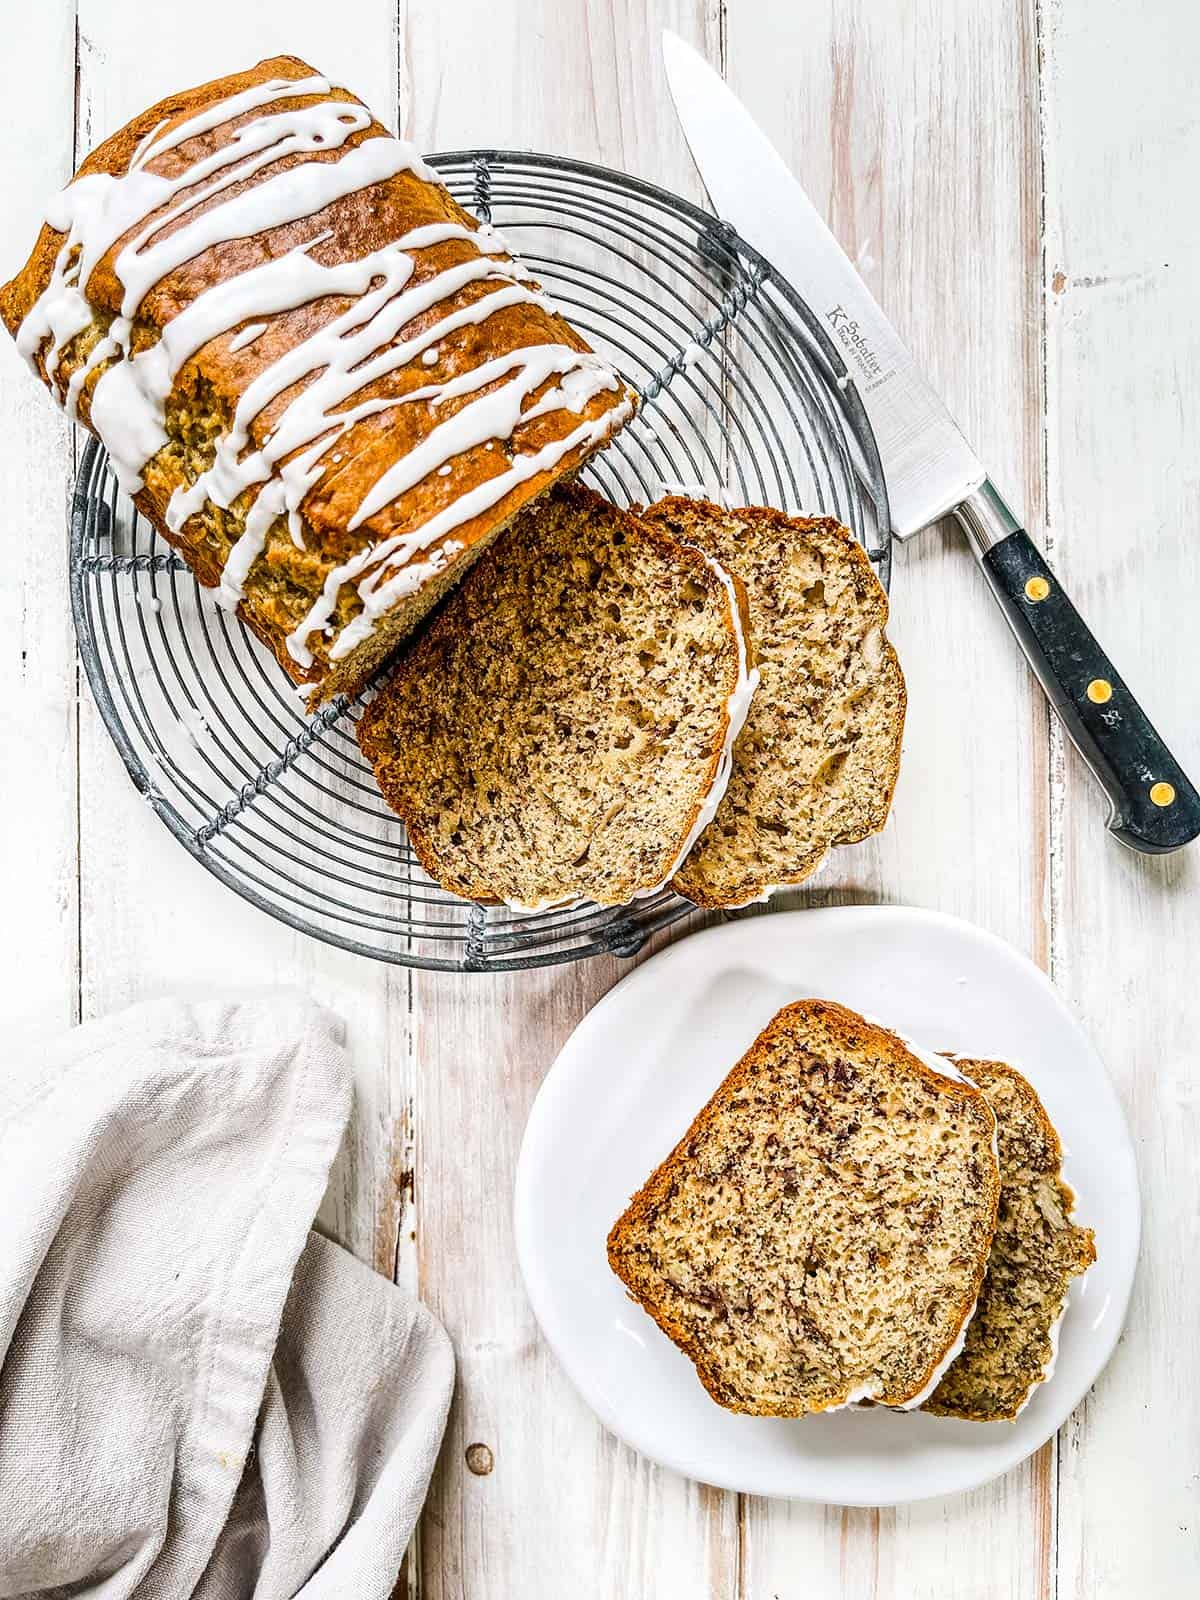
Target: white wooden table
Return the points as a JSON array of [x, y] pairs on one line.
[[1017, 179]]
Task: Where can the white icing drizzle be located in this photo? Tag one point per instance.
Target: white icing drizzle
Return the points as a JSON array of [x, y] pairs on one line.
[[339, 358], [329, 367], [947, 1068], [870, 1389], [720, 494], [1055, 1329], [944, 1067], [736, 709], [247, 336], [762, 897], [864, 1391], [1052, 1333], [943, 1366], [97, 210], [688, 489], [492, 417], [377, 592]]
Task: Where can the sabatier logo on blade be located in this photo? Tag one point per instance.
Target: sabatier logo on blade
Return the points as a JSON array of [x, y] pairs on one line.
[[852, 339]]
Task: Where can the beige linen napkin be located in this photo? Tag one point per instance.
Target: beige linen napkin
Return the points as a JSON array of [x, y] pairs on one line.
[[198, 1395]]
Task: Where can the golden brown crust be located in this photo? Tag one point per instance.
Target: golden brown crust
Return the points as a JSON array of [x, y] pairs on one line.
[[1009, 1342], [682, 514], [854, 1032], [286, 580]]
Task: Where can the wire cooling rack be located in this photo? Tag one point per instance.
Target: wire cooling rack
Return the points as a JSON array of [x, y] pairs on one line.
[[742, 395]]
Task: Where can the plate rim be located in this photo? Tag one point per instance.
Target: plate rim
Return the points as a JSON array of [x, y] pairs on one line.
[[554, 1087]]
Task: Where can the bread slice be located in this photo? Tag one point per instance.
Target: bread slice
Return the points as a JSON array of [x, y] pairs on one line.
[[816, 763], [1011, 1342], [820, 1233], [564, 728]]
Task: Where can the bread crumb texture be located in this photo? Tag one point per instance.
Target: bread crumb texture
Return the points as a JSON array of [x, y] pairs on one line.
[[1036, 1252], [821, 1231], [816, 763], [555, 732]]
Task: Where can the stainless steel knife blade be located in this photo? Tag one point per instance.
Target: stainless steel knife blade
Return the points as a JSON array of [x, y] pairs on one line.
[[930, 468]]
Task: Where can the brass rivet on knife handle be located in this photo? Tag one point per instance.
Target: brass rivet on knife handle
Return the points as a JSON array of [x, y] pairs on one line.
[[1154, 808], [929, 467]]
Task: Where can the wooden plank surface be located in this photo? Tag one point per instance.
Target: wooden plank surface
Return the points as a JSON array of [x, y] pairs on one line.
[[150, 918], [878, 110], [918, 128], [38, 853], [565, 1510], [1123, 380], [970, 699]]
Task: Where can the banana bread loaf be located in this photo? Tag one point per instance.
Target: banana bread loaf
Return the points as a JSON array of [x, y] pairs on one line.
[[321, 379]]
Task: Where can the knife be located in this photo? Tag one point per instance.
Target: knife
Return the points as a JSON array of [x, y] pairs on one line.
[[929, 467]]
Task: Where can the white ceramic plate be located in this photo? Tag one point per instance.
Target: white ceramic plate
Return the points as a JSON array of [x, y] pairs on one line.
[[649, 1055]]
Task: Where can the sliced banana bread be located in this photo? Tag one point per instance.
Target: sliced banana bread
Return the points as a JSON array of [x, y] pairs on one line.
[[816, 763], [1037, 1250], [820, 1233], [564, 728]]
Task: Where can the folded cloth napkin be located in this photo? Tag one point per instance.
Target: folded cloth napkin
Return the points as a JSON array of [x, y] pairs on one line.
[[198, 1395]]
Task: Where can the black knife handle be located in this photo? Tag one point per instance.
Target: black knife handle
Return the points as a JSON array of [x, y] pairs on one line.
[[1155, 808]]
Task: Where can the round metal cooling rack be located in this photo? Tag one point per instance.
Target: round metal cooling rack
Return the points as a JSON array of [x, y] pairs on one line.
[[742, 395]]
